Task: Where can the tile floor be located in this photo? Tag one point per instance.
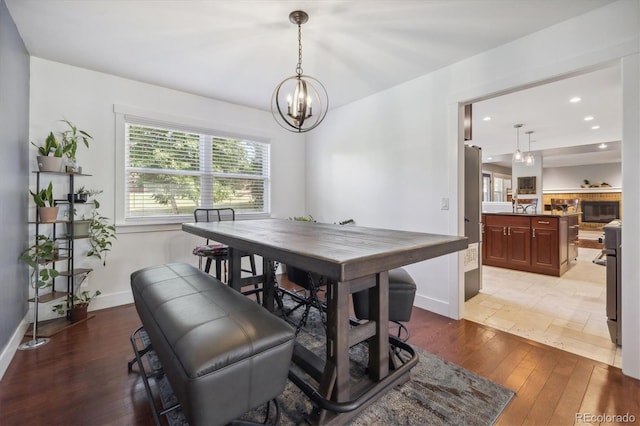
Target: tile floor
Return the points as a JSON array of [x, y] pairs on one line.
[[565, 312]]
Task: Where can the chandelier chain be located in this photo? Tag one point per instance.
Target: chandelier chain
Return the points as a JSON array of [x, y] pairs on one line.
[[299, 66]]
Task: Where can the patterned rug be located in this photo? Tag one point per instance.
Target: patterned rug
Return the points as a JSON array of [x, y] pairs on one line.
[[587, 243], [438, 393]]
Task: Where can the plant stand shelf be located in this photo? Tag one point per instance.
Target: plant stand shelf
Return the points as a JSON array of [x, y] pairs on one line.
[[50, 327], [77, 271], [45, 298]]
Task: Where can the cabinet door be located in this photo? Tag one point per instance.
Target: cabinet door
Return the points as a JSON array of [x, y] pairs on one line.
[[519, 245], [495, 243], [545, 251]]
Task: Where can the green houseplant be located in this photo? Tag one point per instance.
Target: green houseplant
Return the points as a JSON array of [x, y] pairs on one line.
[[76, 305], [71, 138], [53, 150], [50, 154], [101, 236], [39, 257], [47, 210]]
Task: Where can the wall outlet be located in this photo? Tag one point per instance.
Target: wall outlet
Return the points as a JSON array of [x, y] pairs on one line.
[[444, 204]]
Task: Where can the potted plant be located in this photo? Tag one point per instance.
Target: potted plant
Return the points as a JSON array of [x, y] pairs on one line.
[[76, 307], [40, 257], [71, 138], [50, 154], [79, 197], [101, 236], [81, 227], [47, 210]]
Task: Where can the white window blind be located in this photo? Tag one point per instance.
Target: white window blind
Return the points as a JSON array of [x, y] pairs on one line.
[[170, 171]]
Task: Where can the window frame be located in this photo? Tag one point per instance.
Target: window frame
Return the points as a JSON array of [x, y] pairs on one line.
[[124, 115]]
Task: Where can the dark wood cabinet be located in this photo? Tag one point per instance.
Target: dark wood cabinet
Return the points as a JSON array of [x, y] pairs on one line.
[[544, 248], [507, 240], [533, 243]]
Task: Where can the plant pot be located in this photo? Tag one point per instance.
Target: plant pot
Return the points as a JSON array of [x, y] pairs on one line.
[[78, 313], [81, 228], [49, 163], [48, 214], [77, 198]]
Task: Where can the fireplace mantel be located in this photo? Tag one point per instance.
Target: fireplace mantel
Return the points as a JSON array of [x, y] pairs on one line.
[[582, 190]]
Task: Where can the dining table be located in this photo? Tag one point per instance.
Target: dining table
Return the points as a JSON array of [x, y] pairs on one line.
[[351, 258]]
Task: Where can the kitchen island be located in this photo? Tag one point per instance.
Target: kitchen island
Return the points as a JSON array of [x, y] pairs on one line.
[[540, 243]]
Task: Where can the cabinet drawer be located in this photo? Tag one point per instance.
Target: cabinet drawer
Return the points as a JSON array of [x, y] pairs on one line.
[[523, 221], [544, 223]]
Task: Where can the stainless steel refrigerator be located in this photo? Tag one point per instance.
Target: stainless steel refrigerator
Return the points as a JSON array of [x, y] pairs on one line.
[[473, 220]]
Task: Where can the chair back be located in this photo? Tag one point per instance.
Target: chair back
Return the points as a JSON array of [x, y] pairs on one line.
[[524, 204], [214, 215], [564, 204]]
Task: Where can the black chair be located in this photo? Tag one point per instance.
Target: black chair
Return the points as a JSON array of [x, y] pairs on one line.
[[214, 251], [402, 292], [311, 285]]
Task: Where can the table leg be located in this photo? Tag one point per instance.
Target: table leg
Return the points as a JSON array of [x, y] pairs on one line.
[[338, 341], [379, 344], [268, 284], [235, 269]]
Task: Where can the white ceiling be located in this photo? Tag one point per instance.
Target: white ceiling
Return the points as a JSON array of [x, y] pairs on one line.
[[557, 124], [238, 51]]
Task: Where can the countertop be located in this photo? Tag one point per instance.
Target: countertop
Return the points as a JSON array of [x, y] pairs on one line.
[[545, 214]]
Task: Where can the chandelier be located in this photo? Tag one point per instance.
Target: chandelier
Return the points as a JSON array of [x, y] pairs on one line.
[[529, 159], [518, 157], [300, 102]]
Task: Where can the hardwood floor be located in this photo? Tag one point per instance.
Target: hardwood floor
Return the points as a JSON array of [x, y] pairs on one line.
[[80, 377]]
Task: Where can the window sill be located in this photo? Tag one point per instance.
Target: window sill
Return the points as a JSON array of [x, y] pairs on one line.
[[142, 225]]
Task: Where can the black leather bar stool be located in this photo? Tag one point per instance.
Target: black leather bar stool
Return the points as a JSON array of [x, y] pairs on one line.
[[402, 292]]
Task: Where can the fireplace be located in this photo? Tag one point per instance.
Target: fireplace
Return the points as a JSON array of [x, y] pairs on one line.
[[600, 211]]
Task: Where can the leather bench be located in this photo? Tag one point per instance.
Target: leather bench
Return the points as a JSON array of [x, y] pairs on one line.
[[222, 353]]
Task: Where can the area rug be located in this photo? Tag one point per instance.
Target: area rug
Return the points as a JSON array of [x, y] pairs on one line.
[[438, 393]]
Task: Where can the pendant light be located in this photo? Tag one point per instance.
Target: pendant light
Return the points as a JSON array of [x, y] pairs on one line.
[[518, 157], [300, 102], [529, 159]]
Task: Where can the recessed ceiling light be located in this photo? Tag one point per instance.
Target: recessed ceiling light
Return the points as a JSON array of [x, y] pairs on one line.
[[588, 118], [596, 127], [487, 118], [489, 158], [602, 146], [575, 99]]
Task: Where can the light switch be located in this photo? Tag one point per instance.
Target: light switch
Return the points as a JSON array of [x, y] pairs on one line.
[[444, 204]]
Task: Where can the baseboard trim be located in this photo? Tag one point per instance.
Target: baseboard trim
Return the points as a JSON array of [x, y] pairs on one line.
[[12, 346], [437, 306]]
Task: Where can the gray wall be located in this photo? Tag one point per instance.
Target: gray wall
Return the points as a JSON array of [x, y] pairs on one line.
[[14, 175]]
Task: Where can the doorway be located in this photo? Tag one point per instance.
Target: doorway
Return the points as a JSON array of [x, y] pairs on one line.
[[567, 312]]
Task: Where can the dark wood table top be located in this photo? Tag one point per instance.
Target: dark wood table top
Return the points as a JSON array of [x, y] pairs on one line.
[[338, 252]]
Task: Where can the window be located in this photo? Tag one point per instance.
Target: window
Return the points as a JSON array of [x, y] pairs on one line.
[[170, 170]]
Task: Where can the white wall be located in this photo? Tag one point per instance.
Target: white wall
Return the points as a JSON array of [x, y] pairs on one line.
[[87, 98], [389, 159], [572, 177]]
